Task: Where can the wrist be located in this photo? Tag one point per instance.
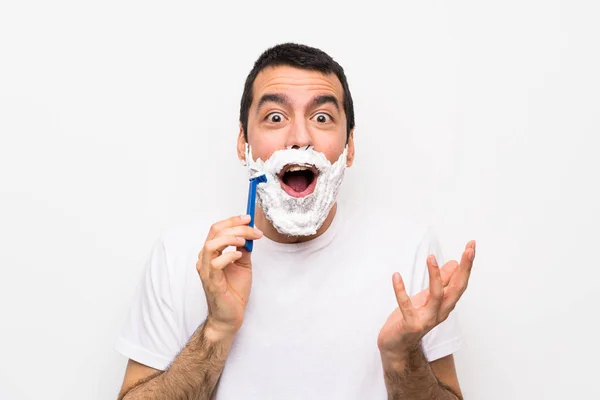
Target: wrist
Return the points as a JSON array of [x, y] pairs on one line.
[[397, 359], [217, 332]]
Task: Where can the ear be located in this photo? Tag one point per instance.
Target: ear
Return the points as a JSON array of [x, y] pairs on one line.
[[241, 145], [350, 153]]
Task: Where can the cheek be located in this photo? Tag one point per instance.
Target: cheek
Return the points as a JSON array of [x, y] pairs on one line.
[[262, 148], [332, 151], [264, 142], [331, 144]]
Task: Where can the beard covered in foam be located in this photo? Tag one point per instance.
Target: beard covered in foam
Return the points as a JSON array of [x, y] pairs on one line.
[[293, 215]]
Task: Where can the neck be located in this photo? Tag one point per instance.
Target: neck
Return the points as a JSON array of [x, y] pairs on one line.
[[269, 230]]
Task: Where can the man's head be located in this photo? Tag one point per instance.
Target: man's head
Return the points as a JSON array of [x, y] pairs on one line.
[[300, 57], [290, 83], [297, 97]]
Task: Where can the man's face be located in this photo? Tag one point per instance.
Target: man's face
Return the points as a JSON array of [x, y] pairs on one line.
[[296, 107]]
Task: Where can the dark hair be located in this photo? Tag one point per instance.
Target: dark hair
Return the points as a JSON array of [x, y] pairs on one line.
[[297, 56]]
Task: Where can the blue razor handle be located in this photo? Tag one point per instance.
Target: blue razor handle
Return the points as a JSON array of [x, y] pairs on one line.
[[250, 208]]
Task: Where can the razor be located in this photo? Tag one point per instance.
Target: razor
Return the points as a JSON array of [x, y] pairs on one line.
[[251, 207]]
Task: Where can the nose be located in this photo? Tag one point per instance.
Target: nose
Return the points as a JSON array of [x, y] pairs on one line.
[[298, 136]]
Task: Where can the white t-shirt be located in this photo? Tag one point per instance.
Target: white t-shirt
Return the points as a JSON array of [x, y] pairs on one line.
[[314, 313]]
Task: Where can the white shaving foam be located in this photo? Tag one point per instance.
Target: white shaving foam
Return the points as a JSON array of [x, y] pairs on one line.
[[293, 216]]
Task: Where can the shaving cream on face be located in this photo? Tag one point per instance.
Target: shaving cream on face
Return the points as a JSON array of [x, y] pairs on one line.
[[297, 216]]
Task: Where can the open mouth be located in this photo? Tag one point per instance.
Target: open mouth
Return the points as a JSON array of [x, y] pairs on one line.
[[298, 180]]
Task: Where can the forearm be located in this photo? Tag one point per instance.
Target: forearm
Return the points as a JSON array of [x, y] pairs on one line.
[[194, 372], [412, 378]]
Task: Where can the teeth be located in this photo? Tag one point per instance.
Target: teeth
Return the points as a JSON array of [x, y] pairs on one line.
[[298, 168]]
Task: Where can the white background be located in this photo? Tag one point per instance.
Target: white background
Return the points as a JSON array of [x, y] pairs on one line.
[[119, 119]]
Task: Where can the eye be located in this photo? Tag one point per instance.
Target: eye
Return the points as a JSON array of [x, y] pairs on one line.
[[275, 117], [323, 118]]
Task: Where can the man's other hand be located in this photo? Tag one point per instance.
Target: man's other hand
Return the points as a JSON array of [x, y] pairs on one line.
[[417, 315]]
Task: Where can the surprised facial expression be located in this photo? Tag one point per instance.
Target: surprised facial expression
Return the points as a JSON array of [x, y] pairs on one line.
[[297, 108]]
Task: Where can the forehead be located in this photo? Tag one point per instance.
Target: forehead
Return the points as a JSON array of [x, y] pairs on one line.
[[297, 83]]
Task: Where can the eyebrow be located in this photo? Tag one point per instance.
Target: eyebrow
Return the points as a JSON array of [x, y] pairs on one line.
[[324, 99], [273, 98], [285, 100]]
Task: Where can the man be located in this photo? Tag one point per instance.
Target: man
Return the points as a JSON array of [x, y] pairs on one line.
[[323, 321]]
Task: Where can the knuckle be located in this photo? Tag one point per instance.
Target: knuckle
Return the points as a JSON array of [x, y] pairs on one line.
[[210, 246], [227, 231], [200, 269], [203, 275], [212, 231]]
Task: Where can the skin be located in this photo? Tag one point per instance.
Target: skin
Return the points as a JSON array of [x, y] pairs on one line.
[[293, 118], [299, 125], [407, 374]]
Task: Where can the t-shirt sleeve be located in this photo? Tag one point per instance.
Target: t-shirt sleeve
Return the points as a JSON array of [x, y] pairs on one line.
[[150, 334], [446, 338]]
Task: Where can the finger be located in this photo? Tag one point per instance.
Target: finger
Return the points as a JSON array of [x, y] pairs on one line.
[[447, 271], [471, 245], [217, 264], [245, 259], [468, 256], [459, 280], [436, 289], [247, 232], [461, 276], [404, 302], [228, 223], [214, 247]]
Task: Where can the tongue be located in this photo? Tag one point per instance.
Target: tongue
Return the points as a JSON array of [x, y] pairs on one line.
[[298, 182]]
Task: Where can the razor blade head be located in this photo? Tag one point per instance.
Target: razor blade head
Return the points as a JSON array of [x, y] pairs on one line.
[[259, 179]]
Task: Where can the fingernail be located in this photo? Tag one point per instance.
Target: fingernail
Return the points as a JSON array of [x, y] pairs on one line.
[[472, 255], [238, 253], [241, 238], [258, 231], [396, 277], [245, 217], [433, 260]]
